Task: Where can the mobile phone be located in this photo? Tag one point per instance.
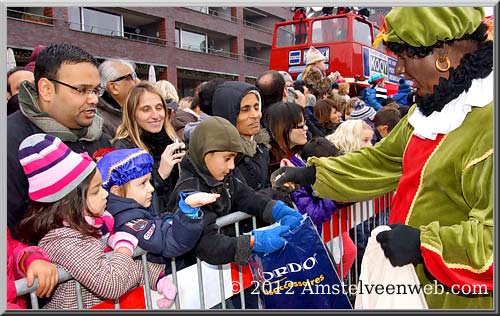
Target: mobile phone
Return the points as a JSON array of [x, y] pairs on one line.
[[291, 94]]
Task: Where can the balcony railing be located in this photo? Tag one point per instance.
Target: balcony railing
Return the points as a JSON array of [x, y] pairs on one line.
[[29, 17], [211, 51], [256, 60], [222, 15], [117, 34], [258, 27]]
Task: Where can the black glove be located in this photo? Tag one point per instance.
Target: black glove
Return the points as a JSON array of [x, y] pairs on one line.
[[297, 175], [401, 244]]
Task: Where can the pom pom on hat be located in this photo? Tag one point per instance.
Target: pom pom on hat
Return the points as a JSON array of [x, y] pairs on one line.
[[123, 165], [403, 86], [52, 168], [313, 55]]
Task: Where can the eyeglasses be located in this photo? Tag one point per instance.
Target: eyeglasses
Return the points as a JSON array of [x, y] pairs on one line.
[[131, 76], [301, 126], [83, 92]]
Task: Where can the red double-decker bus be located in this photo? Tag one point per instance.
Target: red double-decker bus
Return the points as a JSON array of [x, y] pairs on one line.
[[346, 42]]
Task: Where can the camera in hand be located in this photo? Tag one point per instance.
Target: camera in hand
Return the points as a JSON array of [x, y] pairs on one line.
[[291, 94], [180, 149]]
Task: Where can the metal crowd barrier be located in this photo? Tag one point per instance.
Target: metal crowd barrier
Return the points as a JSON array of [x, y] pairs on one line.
[[351, 218]]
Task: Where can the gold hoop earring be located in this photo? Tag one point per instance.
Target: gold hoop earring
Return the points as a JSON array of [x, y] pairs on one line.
[[439, 61]]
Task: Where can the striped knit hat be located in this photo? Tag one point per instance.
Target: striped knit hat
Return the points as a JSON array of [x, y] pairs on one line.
[[362, 111], [53, 170]]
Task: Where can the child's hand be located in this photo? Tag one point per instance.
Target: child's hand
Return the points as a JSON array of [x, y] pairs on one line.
[[286, 163], [46, 273], [199, 199]]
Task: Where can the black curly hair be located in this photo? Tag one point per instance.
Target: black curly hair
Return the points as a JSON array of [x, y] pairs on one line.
[[475, 65]]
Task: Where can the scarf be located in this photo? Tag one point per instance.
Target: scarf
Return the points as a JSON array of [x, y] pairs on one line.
[[250, 144], [380, 92], [28, 105], [156, 142]]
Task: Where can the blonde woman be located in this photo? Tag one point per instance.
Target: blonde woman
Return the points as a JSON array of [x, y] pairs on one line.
[[168, 90], [146, 125], [351, 135], [169, 93]]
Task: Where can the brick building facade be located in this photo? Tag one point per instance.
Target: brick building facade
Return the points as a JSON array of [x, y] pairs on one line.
[[186, 45]]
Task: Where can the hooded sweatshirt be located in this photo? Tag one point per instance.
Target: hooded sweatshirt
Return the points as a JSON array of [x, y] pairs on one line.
[[254, 165], [214, 247]]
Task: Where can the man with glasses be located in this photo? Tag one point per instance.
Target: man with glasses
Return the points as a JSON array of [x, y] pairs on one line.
[[62, 102], [117, 78]]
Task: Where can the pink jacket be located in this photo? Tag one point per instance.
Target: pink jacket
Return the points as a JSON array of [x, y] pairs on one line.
[[19, 257]]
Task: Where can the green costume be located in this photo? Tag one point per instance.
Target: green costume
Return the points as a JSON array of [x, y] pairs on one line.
[[452, 203]]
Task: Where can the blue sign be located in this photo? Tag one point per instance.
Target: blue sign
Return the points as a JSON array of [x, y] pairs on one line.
[[294, 57], [377, 62]]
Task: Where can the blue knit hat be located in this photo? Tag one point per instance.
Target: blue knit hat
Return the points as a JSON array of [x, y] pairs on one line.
[[123, 165], [403, 86]]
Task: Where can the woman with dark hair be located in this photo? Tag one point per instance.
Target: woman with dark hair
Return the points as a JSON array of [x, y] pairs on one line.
[[329, 115], [288, 130], [439, 158], [146, 125]]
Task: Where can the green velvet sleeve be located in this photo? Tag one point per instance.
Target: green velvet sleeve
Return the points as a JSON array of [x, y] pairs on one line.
[[366, 173]]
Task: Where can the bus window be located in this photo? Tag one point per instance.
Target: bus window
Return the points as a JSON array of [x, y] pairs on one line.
[[362, 33], [291, 34], [330, 30], [375, 32]]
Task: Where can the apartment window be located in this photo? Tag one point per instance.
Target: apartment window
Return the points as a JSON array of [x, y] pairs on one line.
[[201, 9], [95, 21], [191, 40]]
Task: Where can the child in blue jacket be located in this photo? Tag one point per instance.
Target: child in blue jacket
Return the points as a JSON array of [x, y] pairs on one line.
[[126, 176]]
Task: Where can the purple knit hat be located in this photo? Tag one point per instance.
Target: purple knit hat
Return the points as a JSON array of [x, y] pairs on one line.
[[53, 170]]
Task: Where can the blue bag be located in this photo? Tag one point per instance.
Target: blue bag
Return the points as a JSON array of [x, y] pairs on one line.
[[301, 275]]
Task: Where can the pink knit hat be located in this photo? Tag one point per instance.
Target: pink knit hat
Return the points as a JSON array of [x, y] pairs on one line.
[[53, 170]]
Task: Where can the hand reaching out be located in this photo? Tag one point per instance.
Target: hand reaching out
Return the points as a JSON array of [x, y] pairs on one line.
[[201, 198]]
